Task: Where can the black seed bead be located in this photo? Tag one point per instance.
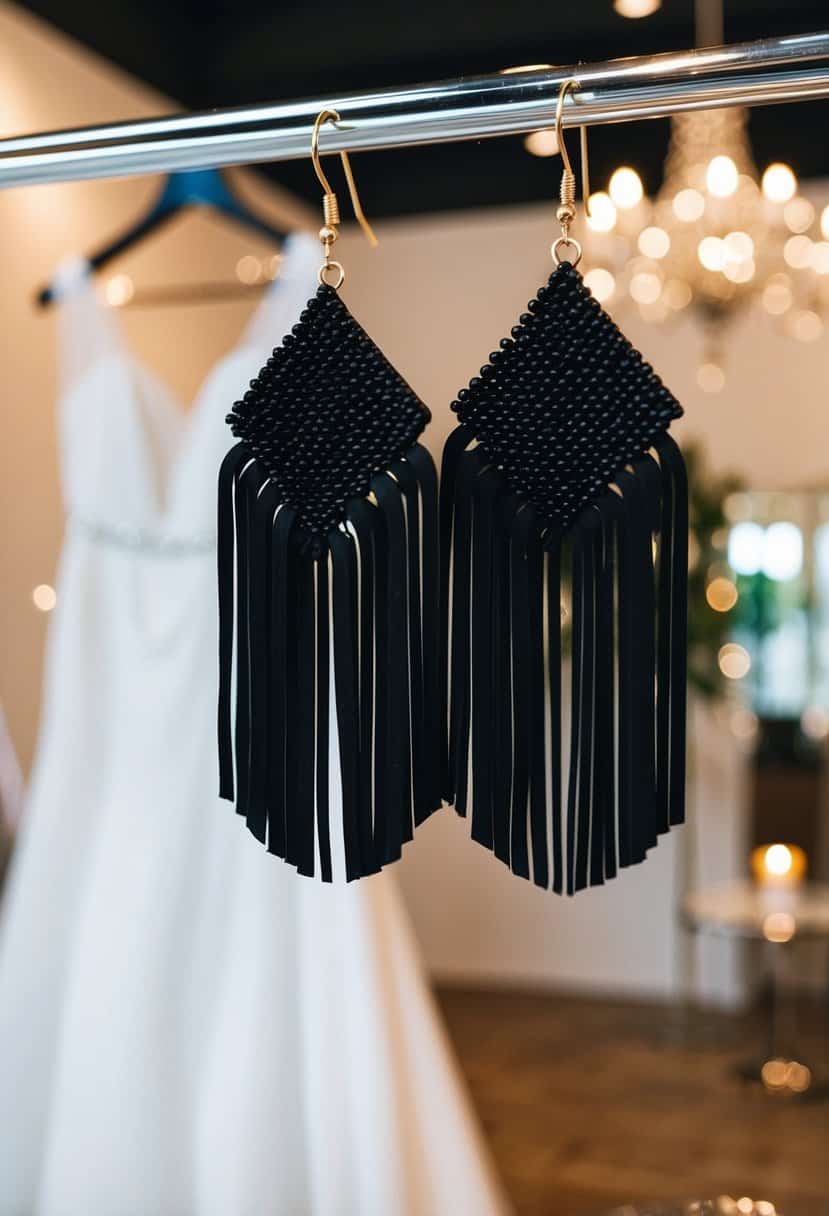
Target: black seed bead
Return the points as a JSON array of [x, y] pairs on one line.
[[566, 403], [326, 412]]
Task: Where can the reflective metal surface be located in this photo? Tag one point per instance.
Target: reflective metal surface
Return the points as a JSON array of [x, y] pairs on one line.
[[772, 70]]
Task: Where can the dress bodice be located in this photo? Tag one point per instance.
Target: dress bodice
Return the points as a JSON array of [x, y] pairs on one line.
[[135, 465]]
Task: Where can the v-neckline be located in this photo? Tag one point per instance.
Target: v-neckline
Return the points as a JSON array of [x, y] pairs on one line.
[[79, 277], [141, 371], [114, 405]]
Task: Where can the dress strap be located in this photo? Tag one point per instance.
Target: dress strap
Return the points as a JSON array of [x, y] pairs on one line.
[[87, 332]]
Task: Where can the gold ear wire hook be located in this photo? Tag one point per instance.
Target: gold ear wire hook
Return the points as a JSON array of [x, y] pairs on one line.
[[566, 212], [330, 206]]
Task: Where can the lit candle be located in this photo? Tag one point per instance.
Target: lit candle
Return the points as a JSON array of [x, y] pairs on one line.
[[779, 866], [779, 869]]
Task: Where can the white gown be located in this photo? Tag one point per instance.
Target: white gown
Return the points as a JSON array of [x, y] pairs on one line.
[[188, 1028]]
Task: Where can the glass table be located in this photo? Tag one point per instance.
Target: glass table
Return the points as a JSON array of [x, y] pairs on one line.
[[778, 918]]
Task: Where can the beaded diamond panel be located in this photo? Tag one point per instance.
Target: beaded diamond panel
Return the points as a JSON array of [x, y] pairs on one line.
[[566, 402], [326, 413]]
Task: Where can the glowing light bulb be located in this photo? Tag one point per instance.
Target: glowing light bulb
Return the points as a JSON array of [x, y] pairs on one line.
[[542, 143], [779, 183], [798, 214], [778, 859], [119, 290], [820, 257], [601, 282], [774, 1072], [738, 247], [746, 543], [797, 252], [44, 597], [688, 205], [602, 217], [721, 176], [249, 269], [711, 253], [636, 8], [779, 866], [721, 594], [645, 287], [734, 661], [799, 1079], [654, 242], [739, 272], [626, 188], [782, 551]]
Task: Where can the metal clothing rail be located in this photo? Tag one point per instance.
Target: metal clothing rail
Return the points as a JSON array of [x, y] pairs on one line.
[[772, 70]]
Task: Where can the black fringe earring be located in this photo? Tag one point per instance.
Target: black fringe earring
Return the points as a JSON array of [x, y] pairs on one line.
[[328, 542], [562, 475]]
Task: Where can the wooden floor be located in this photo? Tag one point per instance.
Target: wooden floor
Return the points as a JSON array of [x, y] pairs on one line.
[[591, 1104]]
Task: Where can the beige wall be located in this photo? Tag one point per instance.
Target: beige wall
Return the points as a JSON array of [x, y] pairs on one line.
[[437, 295]]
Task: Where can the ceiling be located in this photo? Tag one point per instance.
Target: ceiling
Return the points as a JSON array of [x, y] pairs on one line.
[[229, 52]]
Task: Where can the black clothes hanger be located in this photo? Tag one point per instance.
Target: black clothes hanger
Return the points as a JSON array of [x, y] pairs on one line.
[[197, 187]]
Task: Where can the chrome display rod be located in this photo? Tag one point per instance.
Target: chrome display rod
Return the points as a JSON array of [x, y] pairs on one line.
[[772, 70]]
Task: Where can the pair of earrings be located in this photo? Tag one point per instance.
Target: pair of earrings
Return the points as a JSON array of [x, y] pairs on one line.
[[435, 613]]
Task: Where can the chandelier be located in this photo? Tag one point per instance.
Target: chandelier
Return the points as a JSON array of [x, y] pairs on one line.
[[716, 240]]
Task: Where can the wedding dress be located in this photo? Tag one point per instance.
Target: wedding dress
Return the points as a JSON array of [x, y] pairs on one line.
[[188, 1028]]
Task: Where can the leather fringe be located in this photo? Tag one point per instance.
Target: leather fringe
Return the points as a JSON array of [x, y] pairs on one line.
[[565, 821], [365, 598]]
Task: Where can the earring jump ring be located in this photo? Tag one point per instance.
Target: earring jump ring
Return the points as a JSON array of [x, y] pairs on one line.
[[323, 271], [571, 243]]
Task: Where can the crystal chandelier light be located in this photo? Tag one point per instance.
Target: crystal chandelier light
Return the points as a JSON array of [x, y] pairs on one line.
[[718, 239]]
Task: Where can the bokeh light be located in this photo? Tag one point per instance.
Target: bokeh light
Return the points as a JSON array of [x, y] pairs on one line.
[[721, 594], [782, 551], [626, 188], [779, 183], [636, 8], [734, 661], [645, 287], [689, 205], [542, 143], [602, 217], [721, 176], [601, 282], [746, 544], [798, 214], [654, 242], [44, 597]]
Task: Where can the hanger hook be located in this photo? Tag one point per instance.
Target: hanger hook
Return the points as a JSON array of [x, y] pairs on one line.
[[567, 210], [330, 205]]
